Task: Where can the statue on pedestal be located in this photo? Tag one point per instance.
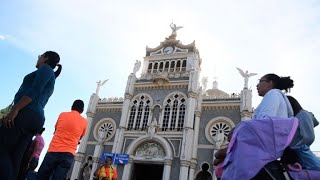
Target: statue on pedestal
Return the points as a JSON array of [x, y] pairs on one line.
[[174, 28], [204, 83], [246, 76], [219, 139], [137, 66], [152, 128], [99, 85]]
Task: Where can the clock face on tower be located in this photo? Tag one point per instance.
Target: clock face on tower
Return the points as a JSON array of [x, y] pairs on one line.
[[168, 50]]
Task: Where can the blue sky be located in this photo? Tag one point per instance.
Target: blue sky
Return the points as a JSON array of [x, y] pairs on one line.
[[102, 39]]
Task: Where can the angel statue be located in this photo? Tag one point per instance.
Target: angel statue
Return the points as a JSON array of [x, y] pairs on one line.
[[99, 84], [137, 66], [204, 83], [174, 28], [246, 76]]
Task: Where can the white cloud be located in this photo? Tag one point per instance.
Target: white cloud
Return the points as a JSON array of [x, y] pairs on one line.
[[2, 37]]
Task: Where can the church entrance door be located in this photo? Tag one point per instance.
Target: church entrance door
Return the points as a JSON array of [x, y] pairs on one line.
[[147, 171]]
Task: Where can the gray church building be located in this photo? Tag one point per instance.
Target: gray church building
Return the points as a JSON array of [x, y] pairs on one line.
[[168, 124]]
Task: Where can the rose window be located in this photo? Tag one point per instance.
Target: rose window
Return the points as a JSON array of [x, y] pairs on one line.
[[104, 129], [107, 129], [219, 128]]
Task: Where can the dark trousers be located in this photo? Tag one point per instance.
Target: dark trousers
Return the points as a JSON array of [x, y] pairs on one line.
[[55, 165], [14, 142], [32, 166]]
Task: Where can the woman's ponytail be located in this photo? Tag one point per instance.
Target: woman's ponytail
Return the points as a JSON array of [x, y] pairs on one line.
[[58, 71]]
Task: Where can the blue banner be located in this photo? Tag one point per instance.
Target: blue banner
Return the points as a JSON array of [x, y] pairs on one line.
[[121, 159], [116, 158]]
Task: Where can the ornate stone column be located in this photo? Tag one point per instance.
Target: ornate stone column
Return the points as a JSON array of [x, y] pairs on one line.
[[196, 134], [184, 166], [117, 145], [193, 166], [167, 169], [195, 145], [246, 104], [127, 170], [97, 151], [188, 133], [83, 143], [118, 141], [95, 163]]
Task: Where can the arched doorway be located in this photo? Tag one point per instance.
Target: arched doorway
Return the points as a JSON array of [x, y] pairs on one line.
[[144, 171], [150, 158]]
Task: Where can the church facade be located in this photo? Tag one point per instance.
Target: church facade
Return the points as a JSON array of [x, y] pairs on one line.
[[168, 122]]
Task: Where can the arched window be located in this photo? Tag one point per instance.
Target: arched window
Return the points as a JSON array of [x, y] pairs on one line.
[[172, 66], [146, 117], [178, 69], [166, 116], [139, 112], [166, 66], [149, 67], [174, 112], [182, 112], [174, 115], [138, 119], [161, 67], [155, 67], [132, 114], [184, 65]]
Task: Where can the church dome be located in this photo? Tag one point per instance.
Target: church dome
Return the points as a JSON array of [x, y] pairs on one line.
[[215, 92]]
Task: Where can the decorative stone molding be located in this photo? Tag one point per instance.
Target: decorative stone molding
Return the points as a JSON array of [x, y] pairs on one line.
[[157, 139], [112, 99], [91, 115], [127, 96], [246, 114], [197, 113], [145, 95], [171, 75], [223, 96], [160, 78], [192, 95], [221, 107], [172, 42], [79, 157], [95, 159], [184, 163], [150, 150], [106, 125], [168, 162], [130, 160], [162, 87], [193, 165], [109, 109]]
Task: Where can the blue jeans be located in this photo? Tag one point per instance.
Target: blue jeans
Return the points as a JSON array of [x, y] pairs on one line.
[[14, 142], [55, 165]]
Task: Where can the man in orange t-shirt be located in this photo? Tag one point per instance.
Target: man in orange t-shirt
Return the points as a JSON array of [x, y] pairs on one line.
[[69, 129]]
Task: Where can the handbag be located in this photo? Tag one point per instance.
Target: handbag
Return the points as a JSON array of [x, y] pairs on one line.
[[4, 112]]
